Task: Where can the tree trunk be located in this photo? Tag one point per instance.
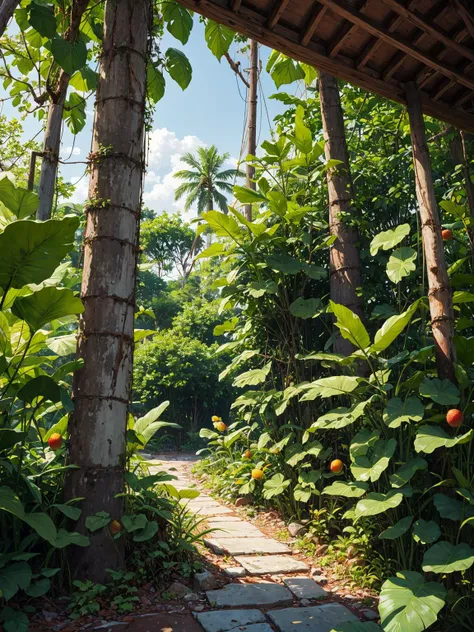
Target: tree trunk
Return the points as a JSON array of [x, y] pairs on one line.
[[49, 164], [102, 389], [52, 133], [252, 126], [345, 275], [439, 290], [7, 8]]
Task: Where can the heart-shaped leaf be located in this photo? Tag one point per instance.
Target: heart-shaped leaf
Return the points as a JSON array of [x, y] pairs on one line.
[[444, 557]]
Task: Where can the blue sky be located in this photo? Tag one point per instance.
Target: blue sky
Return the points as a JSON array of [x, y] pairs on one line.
[[210, 111]]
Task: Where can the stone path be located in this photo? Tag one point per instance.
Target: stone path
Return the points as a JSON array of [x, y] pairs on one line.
[[288, 600]]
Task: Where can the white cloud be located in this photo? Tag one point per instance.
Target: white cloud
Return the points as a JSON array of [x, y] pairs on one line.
[[71, 151], [164, 146], [82, 187]]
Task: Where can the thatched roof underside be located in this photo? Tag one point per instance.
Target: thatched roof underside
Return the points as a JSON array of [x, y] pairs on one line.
[[379, 45]]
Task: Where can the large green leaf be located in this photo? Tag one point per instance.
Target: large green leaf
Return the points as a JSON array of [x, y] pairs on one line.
[[21, 202], [248, 196], [71, 56], [426, 532], [223, 225], [41, 386], [444, 557], [440, 391], [147, 532], [75, 112], [375, 503], [449, 508], [369, 467], [218, 38], [389, 238], [84, 80], [42, 20], [429, 438], [63, 345], [397, 530], [31, 251], [179, 68], [155, 83], [275, 486], [284, 263], [350, 326], [303, 137], [346, 490], [331, 387], [284, 70], [179, 20], [97, 521], [48, 304], [399, 411], [13, 577], [339, 417], [408, 604], [401, 264], [406, 471], [306, 308], [392, 328], [253, 377]]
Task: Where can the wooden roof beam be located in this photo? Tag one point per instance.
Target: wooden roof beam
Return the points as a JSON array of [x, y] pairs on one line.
[[277, 12], [466, 14], [347, 11], [316, 17], [429, 27], [427, 74], [343, 33], [375, 43], [235, 5]]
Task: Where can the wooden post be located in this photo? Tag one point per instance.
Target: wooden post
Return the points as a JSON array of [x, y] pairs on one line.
[[345, 275], [252, 126], [439, 290]]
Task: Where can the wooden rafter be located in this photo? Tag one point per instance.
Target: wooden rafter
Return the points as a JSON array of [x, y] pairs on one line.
[[427, 74], [466, 14], [277, 12], [429, 27], [235, 6], [344, 32], [310, 29], [349, 13], [374, 44]]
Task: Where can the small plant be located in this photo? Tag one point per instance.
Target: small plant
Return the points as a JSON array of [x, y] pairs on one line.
[[84, 600]]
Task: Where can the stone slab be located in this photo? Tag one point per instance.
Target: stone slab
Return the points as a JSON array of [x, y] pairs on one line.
[[250, 546], [305, 588], [264, 564], [210, 511], [218, 621], [316, 619], [261, 594], [226, 519], [240, 529]]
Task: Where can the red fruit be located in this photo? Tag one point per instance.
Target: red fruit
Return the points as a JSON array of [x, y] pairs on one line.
[[336, 466], [220, 426], [55, 441], [115, 527], [454, 417], [447, 234]]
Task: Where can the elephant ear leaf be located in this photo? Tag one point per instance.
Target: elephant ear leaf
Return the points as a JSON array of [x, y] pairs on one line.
[[409, 604]]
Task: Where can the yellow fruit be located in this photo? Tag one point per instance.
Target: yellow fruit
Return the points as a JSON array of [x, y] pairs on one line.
[[247, 454], [215, 418], [220, 426], [336, 466], [257, 474]]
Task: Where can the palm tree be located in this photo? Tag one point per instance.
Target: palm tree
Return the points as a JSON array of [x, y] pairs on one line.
[[206, 185]]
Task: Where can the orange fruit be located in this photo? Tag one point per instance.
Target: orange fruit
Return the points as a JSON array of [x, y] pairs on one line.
[[447, 234], [247, 454], [336, 466], [220, 426], [115, 527], [257, 474], [454, 417], [55, 441]]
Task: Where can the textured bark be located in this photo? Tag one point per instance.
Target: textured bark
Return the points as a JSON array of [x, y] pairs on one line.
[[439, 290], [7, 8], [52, 133], [102, 389], [345, 275], [252, 126]]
